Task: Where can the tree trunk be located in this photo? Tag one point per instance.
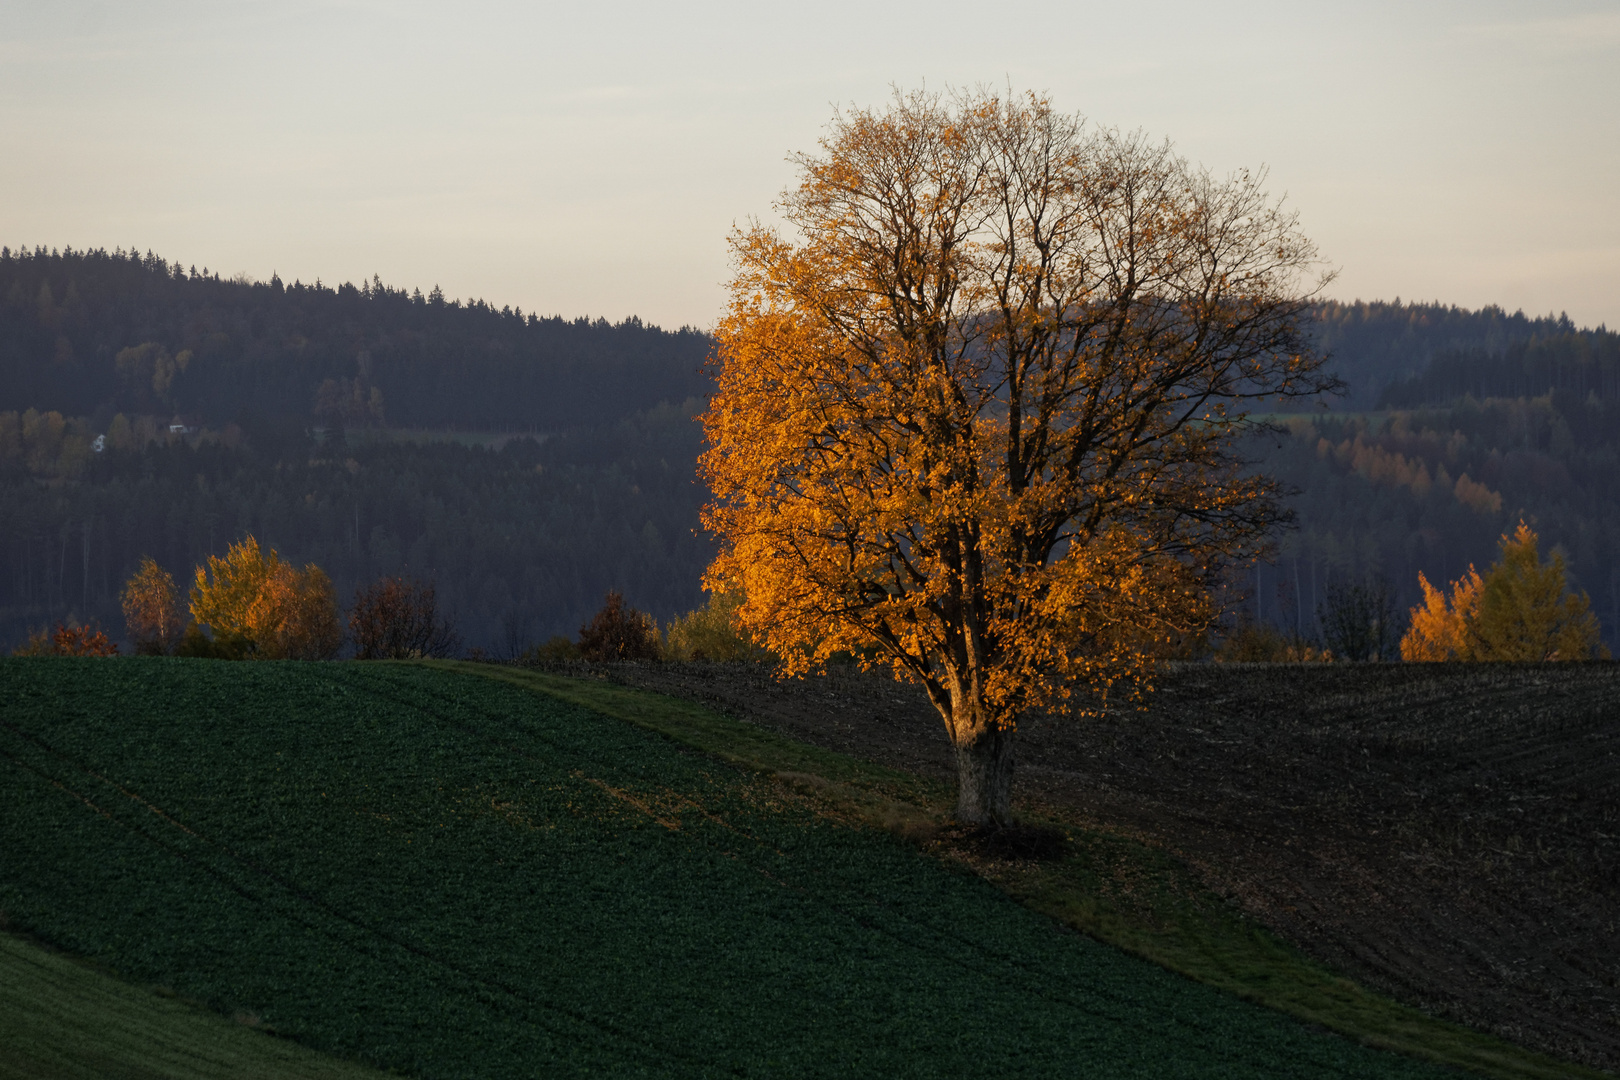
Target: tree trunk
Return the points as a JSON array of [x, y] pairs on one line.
[[984, 771]]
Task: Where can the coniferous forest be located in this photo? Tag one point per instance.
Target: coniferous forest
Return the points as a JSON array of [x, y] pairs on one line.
[[526, 465]]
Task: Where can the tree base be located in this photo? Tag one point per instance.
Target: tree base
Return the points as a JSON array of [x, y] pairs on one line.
[[984, 772]]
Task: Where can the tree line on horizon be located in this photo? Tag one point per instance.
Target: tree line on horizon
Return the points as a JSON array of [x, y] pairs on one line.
[[251, 604], [525, 537], [1404, 355], [93, 334], [522, 540]]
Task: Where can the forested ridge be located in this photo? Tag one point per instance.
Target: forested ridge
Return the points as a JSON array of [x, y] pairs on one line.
[[321, 420], [1400, 355], [528, 464], [264, 351], [1387, 496]]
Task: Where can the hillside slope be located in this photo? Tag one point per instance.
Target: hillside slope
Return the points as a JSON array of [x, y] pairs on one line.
[[451, 877], [329, 422], [1448, 833], [64, 1020]]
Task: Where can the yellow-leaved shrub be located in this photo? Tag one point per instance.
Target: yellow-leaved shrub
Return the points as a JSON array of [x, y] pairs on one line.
[[280, 613]]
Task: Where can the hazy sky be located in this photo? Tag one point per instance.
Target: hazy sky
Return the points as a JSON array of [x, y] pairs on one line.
[[589, 159]]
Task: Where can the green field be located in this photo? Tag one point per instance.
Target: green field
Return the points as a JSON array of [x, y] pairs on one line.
[[448, 876], [62, 1020]]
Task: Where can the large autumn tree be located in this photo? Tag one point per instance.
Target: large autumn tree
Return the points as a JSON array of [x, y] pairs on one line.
[[979, 407]]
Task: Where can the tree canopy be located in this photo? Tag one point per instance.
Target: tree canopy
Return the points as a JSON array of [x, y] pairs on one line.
[[977, 415], [151, 608], [277, 611]]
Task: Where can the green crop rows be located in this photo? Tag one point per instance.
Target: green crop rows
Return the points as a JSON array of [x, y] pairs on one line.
[[452, 877]]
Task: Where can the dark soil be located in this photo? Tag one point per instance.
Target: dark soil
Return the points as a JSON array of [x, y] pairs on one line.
[[1449, 834]]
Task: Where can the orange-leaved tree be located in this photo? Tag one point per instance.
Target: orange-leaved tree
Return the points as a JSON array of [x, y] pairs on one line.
[[1520, 610], [978, 414], [252, 595], [1439, 629], [68, 639], [152, 609]]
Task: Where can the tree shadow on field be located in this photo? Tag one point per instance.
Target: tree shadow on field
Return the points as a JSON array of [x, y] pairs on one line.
[[1019, 841]]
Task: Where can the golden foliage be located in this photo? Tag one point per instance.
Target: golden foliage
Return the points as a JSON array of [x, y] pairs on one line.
[[1525, 611], [1386, 466], [1477, 496], [1439, 628], [150, 363], [976, 419], [285, 613], [712, 632], [47, 444], [1520, 610], [38, 644], [152, 608]]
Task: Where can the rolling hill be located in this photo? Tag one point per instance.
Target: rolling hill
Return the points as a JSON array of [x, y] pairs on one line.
[[446, 875]]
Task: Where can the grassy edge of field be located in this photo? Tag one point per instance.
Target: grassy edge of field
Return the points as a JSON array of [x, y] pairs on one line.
[[65, 1019], [1110, 887]]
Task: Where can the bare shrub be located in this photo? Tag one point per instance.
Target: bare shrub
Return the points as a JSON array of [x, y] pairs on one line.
[[1359, 622], [618, 632], [556, 649], [1261, 643], [398, 619]]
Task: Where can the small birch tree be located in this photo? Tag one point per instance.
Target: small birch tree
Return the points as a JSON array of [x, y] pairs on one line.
[[152, 609]]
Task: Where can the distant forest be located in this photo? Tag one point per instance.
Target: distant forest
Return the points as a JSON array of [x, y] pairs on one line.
[[527, 464], [93, 334], [1398, 355], [1385, 496]]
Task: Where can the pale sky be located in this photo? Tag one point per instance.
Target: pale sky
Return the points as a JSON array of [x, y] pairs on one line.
[[590, 159]]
